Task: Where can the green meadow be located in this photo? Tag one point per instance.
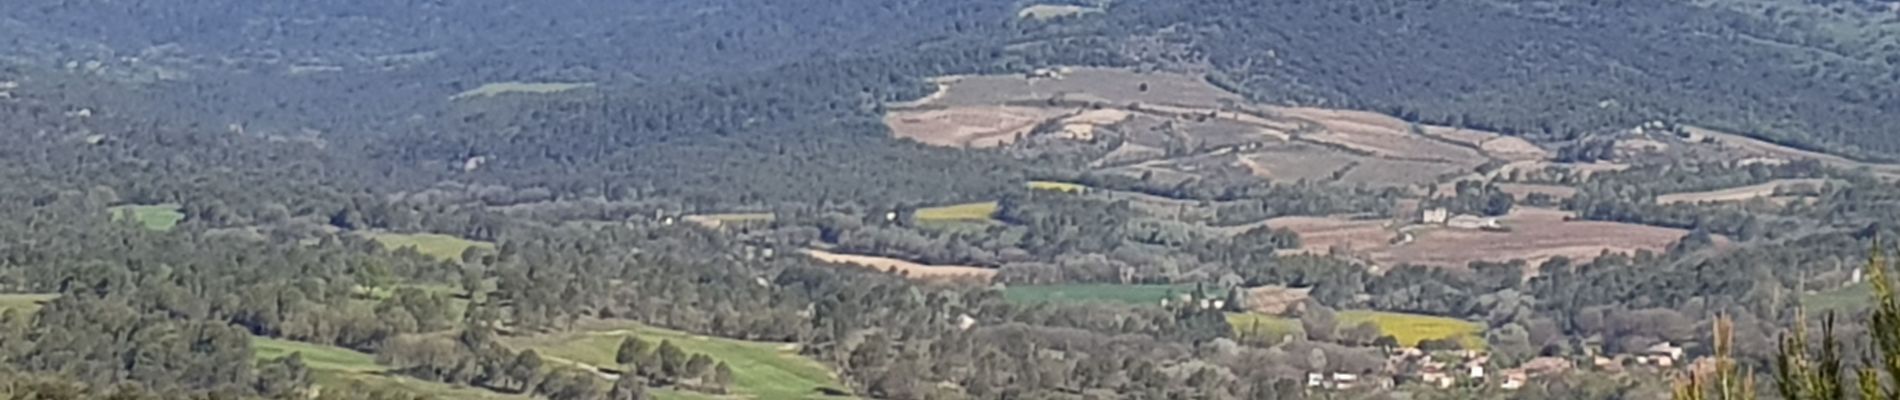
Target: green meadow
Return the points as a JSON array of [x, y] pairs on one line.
[[761, 370], [161, 217]]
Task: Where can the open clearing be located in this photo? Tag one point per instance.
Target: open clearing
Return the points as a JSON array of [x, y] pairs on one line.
[[26, 303], [908, 269], [1168, 124], [1047, 11], [971, 127], [1409, 329], [1321, 235], [1380, 135], [336, 366], [1535, 235], [501, 88], [329, 358], [1098, 293], [443, 247], [761, 370], [715, 221], [1743, 193], [1522, 190], [1753, 146], [161, 217], [980, 211], [1256, 325], [1064, 187]]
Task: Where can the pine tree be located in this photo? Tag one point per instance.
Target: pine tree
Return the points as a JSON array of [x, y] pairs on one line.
[[1803, 375], [1728, 381]]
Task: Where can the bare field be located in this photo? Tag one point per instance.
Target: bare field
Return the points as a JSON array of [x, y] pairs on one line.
[[908, 269], [1380, 135], [1536, 235], [1320, 235], [1296, 162], [1758, 147], [1743, 193], [975, 126], [1520, 190], [1380, 172]]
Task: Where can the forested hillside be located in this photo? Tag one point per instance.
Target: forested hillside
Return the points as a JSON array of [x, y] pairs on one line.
[[1559, 69], [1189, 199]]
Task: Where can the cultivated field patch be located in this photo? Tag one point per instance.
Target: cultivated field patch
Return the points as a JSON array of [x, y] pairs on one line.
[[160, 217], [761, 370], [321, 357], [971, 126], [980, 211], [1534, 236], [1099, 293], [1064, 187], [1410, 329], [715, 221], [1742, 193], [1521, 190], [1752, 146], [1322, 235], [908, 269], [25, 303], [443, 247]]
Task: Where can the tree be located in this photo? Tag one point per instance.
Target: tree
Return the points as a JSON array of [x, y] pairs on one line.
[[631, 349], [722, 376], [283, 377], [525, 371], [697, 366], [1510, 344], [1362, 334], [672, 361], [628, 387], [1727, 381], [1319, 321]]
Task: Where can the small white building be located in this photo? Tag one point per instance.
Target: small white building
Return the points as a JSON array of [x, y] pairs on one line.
[[1435, 216], [1466, 221]]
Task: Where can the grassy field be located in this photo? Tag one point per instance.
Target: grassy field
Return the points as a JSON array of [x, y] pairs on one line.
[[318, 357], [1255, 325], [1102, 293], [761, 370], [26, 303], [1843, 300], [495, 89], [336, 366], [1409, 329], [162, 217], [1064, 187], [445, 247], [960, 212]]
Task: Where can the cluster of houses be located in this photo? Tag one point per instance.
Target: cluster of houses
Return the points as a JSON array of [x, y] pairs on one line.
[[1470, 368]]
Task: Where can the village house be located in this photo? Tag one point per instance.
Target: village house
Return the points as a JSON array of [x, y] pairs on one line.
[[1466, 221]]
